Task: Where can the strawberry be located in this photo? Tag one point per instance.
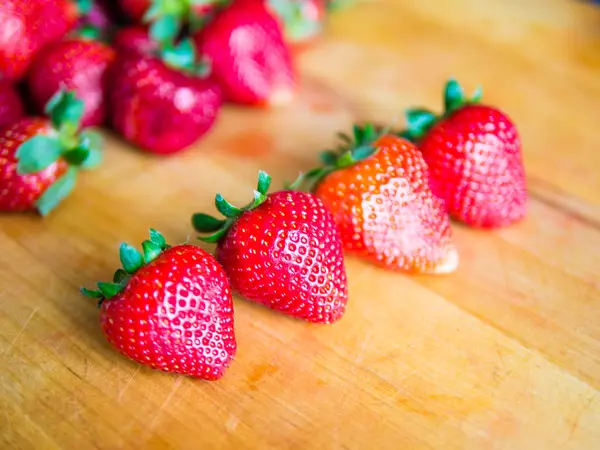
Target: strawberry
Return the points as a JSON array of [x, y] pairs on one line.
[[75, 64], [40, 158], [283, 251], [11, 106], [134, 38], [169, 308], [377, 188], [28, 25], [474, 152], [162, 103], [248, 56]]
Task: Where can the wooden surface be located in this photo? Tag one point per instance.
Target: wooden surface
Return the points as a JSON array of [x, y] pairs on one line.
[[504, 354]]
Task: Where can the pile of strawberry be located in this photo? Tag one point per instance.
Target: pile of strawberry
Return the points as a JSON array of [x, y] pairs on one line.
[[155, 71], [387, 196]]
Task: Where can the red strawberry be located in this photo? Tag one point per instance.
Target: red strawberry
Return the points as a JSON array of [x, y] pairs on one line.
[[136, 39], [377, 190], [163, 105], [11, 106], [75, 64], [28, 25], [474, 153], [248, 55], [40, 158], [283, 251], [169, 309]]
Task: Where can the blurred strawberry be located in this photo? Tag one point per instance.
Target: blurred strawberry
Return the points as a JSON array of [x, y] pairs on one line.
[[134, 38], [40, 158], [162, 103], [96, 23], [11, 106], [75, 64], [248, 55], [27, 26]]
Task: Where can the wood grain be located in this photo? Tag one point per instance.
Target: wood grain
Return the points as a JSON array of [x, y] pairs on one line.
[[503, 354]]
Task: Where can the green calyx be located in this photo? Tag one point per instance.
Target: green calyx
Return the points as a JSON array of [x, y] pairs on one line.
[[168, 17], [80, 149], [419, 121], [350, 151], [131, 261], [182, 56], [204, 223], [298, 27], [84, 6]]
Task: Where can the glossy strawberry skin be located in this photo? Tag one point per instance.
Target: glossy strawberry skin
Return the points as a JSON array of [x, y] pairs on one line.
[[286, 254], [175, 315], [134, 9], [11, 106], [20, 192], [77, 64], [387, 213], [160, 109], [248, 55], [32, 24], [477, 167], [134, 39]]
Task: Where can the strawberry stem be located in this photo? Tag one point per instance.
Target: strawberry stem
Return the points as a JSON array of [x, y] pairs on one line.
[[204, 223], [131, 260], [351, 150]]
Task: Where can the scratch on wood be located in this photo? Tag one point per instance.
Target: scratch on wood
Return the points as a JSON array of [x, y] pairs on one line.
[[361, 353], [577, 417], [176, 385], [122, 391], [25, 325]]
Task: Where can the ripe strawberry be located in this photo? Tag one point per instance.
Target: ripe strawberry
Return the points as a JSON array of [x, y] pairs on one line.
[[162, 104], [40, 158], [11, 106], [248, 56], [134, 38], [283, 251], [169, 309], [474, 152], [28, 25], [377, 189], [75, 64]]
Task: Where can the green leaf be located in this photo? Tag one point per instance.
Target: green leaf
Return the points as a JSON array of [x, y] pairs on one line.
[[158, 239], [153, 12], [259, 198], [68, 109], [151, 251], [204, 223], [57, 191], [89, 32], [84, 6], [165, 29], [419, 121], [226, 208], [54, 101], [109, 290], [264, 181], [346, 160], [120, 277], [329, 157], [77, 156], [37, 153], [91, 293], [93, 160], [362, 152], [369, 133], [182, 56], [454, 96], [477, 94], [216, 237], [131, 258]]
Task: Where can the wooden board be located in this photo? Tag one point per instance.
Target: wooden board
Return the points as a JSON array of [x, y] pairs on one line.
[[504, 354]]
